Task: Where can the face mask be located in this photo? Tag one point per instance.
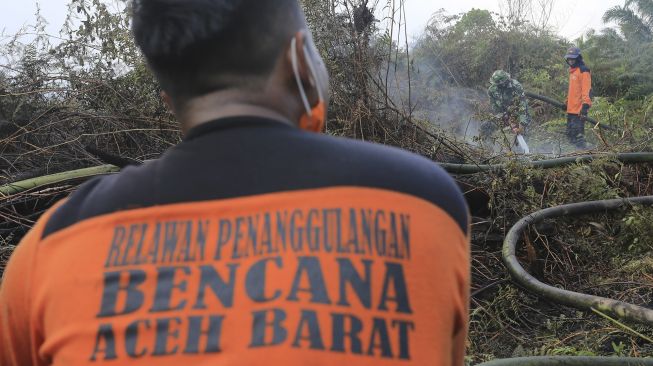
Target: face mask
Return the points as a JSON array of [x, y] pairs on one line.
[[314, 119]]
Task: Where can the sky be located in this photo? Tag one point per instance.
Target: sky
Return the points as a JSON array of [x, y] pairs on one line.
[[571, 19]]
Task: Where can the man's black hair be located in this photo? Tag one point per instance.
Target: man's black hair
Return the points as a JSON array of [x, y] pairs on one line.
[[199, 46]]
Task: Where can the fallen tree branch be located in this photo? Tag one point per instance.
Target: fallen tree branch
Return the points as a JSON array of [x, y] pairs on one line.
[[22, 186]]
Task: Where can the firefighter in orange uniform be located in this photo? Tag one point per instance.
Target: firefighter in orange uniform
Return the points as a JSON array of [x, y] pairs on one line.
[[256, 240], [579, 98]]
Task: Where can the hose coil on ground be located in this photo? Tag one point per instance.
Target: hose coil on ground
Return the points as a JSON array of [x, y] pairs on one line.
[[570, 361], [585, 302], [577, 300]]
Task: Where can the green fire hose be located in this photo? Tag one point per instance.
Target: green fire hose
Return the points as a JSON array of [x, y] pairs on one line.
[[585, 302], [577, 300], [628, 158], [563, 107], [571, 361], [580, 301]]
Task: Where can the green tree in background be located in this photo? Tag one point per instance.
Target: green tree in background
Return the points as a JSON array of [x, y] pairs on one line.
[[635, 19], [466, 49], [622, 58]]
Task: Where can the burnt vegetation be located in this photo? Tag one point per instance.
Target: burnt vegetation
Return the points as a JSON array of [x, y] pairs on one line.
[[65, 100]]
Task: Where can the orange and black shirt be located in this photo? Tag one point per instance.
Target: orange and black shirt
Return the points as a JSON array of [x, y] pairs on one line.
[[580, 89], [250, 242]]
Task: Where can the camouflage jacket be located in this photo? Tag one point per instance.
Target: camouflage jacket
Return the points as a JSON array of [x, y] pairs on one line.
[[511, 101]]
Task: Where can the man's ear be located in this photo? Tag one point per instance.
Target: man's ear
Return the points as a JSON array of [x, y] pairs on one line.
[[306, 78], [168, 102]]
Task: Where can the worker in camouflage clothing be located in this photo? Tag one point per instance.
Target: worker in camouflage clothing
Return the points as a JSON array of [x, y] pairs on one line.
[[508, 102]]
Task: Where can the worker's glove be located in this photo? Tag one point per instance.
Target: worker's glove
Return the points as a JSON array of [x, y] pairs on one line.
[[584, 110], [518, 130]]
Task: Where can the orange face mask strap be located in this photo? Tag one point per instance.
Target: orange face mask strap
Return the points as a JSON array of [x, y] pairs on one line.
[[317, 121], [315, 118]]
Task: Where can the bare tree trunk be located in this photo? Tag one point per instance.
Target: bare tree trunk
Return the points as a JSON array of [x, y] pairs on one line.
[[542, 12], [516, 11], [539, 12]]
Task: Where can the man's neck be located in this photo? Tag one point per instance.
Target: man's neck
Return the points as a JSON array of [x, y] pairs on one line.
[[224, 104]]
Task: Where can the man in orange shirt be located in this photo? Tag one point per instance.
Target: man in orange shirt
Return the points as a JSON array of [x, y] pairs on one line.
[[253, 241], [579, 98]]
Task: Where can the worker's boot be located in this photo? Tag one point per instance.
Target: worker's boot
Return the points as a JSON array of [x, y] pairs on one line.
[[576, 131]]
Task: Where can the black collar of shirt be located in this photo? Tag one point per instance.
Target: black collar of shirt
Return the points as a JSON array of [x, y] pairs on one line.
[[230, 123]]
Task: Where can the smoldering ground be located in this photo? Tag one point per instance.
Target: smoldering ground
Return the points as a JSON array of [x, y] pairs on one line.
[[461, 111]]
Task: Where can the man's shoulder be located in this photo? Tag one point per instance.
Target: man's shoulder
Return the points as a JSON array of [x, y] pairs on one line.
[[99, 196], [374, 155], [396, 169], [303, 162]]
